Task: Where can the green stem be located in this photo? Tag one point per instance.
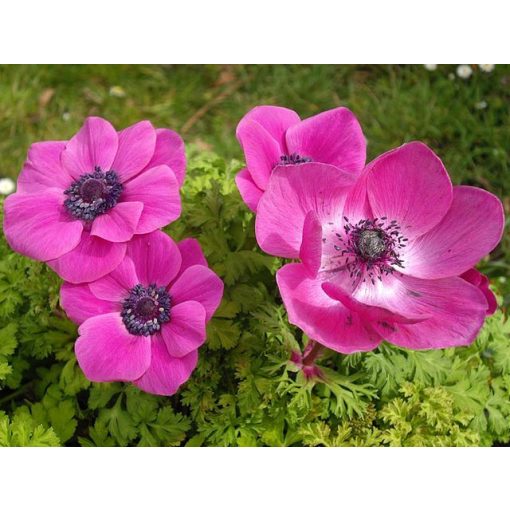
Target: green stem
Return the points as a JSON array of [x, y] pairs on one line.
[[15, 394], [315, 352]]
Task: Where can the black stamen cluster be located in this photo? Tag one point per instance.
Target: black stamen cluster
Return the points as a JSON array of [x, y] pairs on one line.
[[93, 194], [371, 248], [293, 159], [146, 309]]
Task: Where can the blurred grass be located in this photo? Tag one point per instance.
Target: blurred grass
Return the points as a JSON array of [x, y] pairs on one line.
[[394, 104]]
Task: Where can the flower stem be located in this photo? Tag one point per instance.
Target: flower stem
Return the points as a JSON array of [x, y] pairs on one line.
[[314, 353]]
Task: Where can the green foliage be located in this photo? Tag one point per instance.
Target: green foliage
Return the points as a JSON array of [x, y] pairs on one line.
[[245, 391]]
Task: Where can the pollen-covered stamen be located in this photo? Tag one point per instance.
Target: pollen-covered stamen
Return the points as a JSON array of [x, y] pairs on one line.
[[293, 159], [370, 248], [145, 309], [93, 194]]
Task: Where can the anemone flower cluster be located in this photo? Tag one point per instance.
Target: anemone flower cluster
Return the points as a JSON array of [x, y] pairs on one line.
[[91, 208], [384, 252]]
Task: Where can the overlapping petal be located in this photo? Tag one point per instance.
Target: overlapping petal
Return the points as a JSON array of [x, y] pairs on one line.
[[107, 352], [166, 373], [38, 226], [333, 137], [293, 192]]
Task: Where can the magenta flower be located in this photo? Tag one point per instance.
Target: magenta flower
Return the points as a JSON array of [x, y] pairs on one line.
[[272, 136], [79, 202], [389, 258], [145, 321]]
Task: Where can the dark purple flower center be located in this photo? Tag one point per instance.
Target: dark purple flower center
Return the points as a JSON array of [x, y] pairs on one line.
[[145, 309], [293, 159], [93, 194], [371, 248]]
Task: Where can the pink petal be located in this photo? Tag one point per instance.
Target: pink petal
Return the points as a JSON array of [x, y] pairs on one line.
[[322, 318], [166, 373], [169, 151], [156, 257], [95, 144], [482, 282], [310, 252], [186, 330], [261, 150], [42, 169], [80, 304], [410, 185], [158, 189], [38, 226], [250, 192], [92, 258], [274, 119], [116, 285], [472, 228], [136, 148], [119, 223], [293, 192], [191, 253], [198, 283], [107, 352], [455, 310], [333, 137]]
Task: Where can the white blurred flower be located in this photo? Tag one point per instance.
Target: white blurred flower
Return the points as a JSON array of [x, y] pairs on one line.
[[66, 116], [430, 67], [487, 68], [7, 186], [117, 91], [481, 105], [464, 71]]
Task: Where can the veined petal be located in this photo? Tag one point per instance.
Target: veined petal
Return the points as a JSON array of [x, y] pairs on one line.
[[38, 226], [322, 318], [166, 373], [106, 351], [293, 192], [156, 258], [95, 145], [472, 228], [333, 137], [410, 185]]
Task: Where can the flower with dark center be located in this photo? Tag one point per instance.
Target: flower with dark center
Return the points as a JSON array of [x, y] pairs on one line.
[[265, 133], [389, 256], [93, 194], [146, 320], [78, 202], [146, 309]]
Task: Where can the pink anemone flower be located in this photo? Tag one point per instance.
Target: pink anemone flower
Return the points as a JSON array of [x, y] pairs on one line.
[[388, 258], [79, 202], [272, 136], [145, 321]]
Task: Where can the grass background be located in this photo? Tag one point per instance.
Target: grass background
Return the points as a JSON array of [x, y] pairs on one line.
[[465, 121]]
